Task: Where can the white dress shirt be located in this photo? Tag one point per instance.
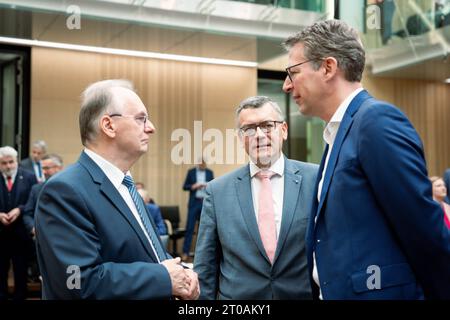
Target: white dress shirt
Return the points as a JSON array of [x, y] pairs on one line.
[[329, 134], [277, 183], [115, 175]]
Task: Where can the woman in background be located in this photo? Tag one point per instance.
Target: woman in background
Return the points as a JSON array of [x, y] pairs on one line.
[[439, 194]]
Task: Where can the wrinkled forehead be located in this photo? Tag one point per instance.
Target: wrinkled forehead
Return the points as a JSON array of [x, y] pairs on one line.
[[7, 159]]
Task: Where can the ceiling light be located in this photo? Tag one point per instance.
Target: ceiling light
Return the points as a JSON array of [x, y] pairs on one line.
[[130, 53]]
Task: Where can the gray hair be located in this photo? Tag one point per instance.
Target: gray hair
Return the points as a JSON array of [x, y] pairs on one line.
[[98, 98], [55, 158], [258, 102], [332, 38], [41, 145], [8, 152]]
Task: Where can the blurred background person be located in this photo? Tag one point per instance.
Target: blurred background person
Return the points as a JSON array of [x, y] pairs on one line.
[[439, 194], [15, 186], [447, 183], [51, 164], [33, 163], [195, 183]]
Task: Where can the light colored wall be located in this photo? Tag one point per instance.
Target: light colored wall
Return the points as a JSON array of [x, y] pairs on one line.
[[175, 93]]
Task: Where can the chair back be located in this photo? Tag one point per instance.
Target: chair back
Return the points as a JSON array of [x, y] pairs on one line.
[[171, 213]]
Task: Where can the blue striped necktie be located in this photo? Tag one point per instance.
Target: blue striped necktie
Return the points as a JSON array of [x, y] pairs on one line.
[[128, 182]]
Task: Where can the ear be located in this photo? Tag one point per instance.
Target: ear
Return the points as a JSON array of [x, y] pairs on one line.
[[330, 65], [284, 130], [107, 126]]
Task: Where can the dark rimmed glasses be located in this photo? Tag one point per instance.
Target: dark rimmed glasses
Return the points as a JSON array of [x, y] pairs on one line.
[[265, 127]]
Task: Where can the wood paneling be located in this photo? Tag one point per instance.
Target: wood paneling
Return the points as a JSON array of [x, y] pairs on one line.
[[176, 94]]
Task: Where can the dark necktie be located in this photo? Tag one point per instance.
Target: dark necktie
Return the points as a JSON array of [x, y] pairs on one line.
[[128, 182]]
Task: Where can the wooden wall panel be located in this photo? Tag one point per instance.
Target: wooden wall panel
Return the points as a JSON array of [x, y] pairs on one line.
[[175, 93]]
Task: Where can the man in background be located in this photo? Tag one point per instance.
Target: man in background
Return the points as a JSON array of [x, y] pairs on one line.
[[33, 163], [15, 243], [195, 183]]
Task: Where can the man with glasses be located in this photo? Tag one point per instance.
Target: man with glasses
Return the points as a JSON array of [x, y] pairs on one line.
[[375, 231], [251, 240], [51, 164], [95, 238]]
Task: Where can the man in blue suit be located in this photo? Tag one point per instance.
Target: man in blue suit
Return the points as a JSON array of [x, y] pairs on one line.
[[34, 162], [251, 240], [95, 239], [375, 231], [15, 243], [195, 183]]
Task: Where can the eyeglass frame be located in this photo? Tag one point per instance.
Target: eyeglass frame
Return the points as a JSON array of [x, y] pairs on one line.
[[257, 125], [138, 118], [298, 64], [49, 167]]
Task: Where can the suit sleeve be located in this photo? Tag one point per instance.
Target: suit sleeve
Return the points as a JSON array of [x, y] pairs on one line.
[[391, 156], [189, 181], [67, 236], [31, 181], [207, 251], [28, 210]]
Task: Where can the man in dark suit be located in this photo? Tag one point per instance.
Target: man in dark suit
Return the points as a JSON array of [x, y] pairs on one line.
[[33, 163], [251, 240], [195, 183], [15, 186], [51, 165], [95, 239], [375, 231]]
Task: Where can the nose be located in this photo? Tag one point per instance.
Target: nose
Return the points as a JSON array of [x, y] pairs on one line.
[[287, 85], [259, 133], [149, 127]]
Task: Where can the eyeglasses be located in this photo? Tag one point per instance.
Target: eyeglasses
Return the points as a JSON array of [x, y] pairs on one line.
[[265, 127], [139, 119], [48, 167], [291, 74]]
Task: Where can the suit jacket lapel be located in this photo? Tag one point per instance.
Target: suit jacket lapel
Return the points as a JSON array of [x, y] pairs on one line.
[[244, 193], [340, 136], [292, 185], [111, 193]]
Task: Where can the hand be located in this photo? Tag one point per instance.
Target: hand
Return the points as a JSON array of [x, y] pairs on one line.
[[4, 218], [13, 215], [33, 232], [196, 186], [194, 287], [178, 276]]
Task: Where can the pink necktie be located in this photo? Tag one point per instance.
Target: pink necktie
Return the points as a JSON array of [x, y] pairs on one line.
[[266, 214], [9, 183]]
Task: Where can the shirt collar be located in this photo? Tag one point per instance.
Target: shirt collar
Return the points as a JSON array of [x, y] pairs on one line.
[[330, 131], [13, 175], [277, 167], [114, 174]]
